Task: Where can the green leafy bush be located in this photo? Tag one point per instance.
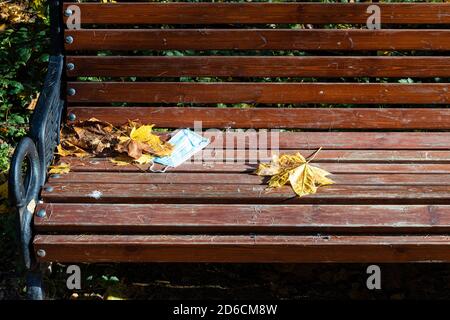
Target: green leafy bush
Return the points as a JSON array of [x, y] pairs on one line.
[[24, 45]]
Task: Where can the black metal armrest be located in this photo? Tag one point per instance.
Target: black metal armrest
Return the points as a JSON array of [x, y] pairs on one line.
[[24, 189], [46, 122], [36, 153], [43, 137]]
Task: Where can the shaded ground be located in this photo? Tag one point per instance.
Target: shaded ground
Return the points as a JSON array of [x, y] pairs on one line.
[[249, 281], [268, 281]]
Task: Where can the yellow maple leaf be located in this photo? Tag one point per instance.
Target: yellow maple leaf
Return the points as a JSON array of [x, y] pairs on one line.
[[160, 148], [321, 176], [121, 160], [71, 150], [62, 168], [279, 179], [142, 141], [144, 159], [302, 180], [143, 133], [280, 164], [303, 177], [269, 169]]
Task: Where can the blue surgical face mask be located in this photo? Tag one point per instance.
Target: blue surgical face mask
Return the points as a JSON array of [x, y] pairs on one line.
[[186, 143]]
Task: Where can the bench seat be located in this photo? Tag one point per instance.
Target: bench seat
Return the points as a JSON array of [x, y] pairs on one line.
[[388, 205], [369, 83]]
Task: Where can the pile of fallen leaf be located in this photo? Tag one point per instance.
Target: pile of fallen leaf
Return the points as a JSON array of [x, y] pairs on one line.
[[304, 178], [14, 12], [134, 143], [131, 143]]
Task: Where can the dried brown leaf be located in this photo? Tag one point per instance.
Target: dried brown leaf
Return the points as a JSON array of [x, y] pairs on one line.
[[93, 136], [33, 103], [66, 149]]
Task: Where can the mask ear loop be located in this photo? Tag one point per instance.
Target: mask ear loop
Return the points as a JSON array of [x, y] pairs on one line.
[[157, 171]]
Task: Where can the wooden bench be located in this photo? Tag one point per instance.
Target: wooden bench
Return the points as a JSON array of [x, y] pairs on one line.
[[386, 142]]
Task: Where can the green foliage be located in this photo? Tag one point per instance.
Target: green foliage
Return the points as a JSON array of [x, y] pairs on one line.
[[23, 62], [4, 157], [22, 66]]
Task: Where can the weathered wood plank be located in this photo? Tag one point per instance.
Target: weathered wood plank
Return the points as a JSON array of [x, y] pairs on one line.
[[258, 39], [224, 13], [211, 218], [237, 178], [233, 92], [232, 66], [260, 248], [242, 193], [302, 118], [331, 140], [341, 156], [105, 165]]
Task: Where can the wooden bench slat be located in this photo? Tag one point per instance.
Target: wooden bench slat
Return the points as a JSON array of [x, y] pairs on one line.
[[236, 178], [223, 13], [244, 248], [257, 39], [304, 118], [244, 66], [336, 140], [237, 92], [341, 156], [327, 140], [105, 165], [333, 140], [254, 194], [151, 218]]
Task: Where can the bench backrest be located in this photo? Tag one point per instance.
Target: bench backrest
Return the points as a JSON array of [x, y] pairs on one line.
[[286, 65]]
